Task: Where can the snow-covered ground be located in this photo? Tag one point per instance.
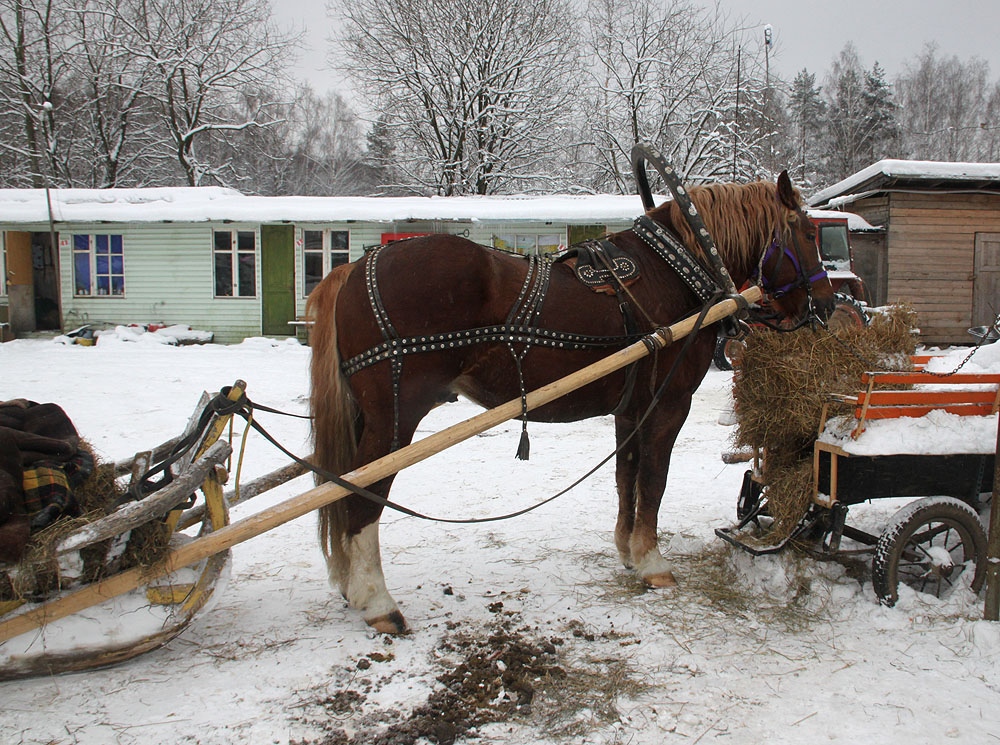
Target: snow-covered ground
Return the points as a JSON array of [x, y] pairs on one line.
[[773, 649]]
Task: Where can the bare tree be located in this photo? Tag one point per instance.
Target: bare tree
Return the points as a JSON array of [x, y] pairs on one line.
[[946, 108], [34, 64], [110, 85], [475, 92], [677, 75], [314, 149], [202, 55]]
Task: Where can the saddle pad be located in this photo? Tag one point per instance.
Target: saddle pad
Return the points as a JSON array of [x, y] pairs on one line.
[[602, 266]]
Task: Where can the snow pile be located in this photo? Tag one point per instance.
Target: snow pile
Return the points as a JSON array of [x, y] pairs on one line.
[[175, 335]]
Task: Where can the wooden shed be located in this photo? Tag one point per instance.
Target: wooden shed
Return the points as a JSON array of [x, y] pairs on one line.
[[236, 265], [942, 238]]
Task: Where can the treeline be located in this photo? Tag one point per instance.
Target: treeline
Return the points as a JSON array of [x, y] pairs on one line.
[[464, 97]]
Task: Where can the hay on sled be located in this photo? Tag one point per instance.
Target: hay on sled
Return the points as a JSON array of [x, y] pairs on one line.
[[782, 382]]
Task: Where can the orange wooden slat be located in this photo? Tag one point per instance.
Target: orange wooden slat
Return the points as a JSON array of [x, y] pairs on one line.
[[895, 412], [912, 398], [915, 378]]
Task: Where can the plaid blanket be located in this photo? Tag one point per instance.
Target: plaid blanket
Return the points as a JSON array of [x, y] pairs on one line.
[[40, 465], [48, 488]]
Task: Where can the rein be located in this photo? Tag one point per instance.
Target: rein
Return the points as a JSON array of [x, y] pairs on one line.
[[244, 407]]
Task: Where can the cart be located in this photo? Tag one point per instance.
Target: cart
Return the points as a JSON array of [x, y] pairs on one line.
[[930, 544]]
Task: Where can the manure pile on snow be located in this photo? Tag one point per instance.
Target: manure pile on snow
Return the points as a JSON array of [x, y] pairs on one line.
[[781, 384]]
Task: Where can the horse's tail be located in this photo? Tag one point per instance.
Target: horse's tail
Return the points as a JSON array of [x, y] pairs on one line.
[[334, 411]]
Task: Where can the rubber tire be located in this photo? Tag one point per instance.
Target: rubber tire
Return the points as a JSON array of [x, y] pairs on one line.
[[856, 312], [908, 522], [723, 350]]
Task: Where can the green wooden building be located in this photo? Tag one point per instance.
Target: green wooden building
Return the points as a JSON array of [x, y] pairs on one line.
[[238, 266]]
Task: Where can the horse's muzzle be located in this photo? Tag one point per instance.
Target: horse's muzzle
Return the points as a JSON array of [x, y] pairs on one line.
[[823, 308]]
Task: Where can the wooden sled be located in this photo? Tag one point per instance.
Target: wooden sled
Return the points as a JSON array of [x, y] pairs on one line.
[[124, 625], [175, 589]]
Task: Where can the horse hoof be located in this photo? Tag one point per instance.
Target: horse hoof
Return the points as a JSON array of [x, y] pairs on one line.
[[390, 623], [660, 580]]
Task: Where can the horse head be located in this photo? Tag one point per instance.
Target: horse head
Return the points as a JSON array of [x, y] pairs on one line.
[[763, 235], [790, 270]]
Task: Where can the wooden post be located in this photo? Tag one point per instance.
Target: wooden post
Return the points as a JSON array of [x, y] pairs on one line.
[[325, 494], [992, 608]]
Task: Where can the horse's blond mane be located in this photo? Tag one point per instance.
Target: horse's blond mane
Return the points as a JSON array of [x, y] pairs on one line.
[[742, 218]]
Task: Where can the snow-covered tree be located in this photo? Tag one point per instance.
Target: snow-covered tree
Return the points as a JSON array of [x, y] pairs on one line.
[[679, 76], [861, 115], [34, 67], [475, 93], [806, 111], [204, 57]]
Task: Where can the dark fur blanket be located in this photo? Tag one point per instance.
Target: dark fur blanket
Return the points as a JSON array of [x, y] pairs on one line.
[[39, 454]]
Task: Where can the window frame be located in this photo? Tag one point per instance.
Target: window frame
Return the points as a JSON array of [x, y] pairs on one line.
[[516, 237], [92, 252], [327, 252], [234, 252]]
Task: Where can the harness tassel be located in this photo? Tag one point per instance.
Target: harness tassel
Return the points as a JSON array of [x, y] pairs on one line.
[[524, 446]]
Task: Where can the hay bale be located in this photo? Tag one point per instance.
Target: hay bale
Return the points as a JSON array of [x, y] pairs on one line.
[[782, 382]]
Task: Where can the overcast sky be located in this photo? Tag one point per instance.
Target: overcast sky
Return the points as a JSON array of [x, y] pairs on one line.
[[807, 33]]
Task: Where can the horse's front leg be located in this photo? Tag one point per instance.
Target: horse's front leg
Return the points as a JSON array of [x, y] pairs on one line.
[[626, 468], [656, 440]]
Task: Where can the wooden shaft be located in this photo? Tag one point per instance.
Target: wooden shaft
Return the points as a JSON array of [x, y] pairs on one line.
[[366, 475]]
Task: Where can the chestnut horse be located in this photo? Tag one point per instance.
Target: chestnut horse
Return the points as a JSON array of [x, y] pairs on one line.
[[443, 283]]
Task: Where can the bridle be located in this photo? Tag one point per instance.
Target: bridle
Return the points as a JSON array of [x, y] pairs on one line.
[[804, 278]]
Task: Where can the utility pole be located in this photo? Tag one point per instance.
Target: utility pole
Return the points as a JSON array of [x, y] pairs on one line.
[[767, 99], [736, 119]]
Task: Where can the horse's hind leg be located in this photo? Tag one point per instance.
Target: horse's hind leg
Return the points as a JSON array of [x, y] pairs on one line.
[[359, 570]]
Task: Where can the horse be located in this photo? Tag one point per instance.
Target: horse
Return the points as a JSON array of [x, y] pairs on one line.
[[442, 286]]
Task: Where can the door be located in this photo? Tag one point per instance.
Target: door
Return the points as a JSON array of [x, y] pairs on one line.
[[986, 282], [20, 281], [277, 273]]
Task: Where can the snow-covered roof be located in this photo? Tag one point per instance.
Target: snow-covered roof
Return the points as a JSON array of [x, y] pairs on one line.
[[855, 223], [923, 172], [205, 204]]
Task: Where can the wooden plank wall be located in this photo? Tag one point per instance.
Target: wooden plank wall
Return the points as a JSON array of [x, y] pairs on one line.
[[931, 255]]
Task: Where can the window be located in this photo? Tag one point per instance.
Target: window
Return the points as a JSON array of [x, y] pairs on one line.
[[98, 265], [235, 263], [834, 247], [322, 250], [528, 243]]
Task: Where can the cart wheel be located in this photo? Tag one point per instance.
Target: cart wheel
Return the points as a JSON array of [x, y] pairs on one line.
[[848, 313], [928, 545], [727, 352]]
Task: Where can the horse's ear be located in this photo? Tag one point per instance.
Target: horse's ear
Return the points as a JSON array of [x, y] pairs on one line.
[[786, 192]]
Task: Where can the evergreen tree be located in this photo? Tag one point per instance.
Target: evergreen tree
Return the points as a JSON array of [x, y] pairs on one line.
[[806, 114], [861, 121], [883, 129]]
